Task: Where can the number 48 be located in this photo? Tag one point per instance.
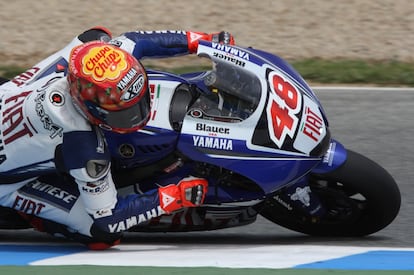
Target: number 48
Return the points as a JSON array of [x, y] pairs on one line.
[[283, 106]]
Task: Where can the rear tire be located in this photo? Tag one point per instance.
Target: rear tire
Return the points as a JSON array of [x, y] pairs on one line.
[[360, 197]]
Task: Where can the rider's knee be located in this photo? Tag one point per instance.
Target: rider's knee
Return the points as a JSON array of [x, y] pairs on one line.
[[102, 239]]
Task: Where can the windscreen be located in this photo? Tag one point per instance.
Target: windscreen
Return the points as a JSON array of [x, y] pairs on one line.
[[235, 93]]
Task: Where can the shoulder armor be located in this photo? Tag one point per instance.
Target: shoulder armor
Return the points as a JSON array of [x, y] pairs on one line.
[[85, 149]]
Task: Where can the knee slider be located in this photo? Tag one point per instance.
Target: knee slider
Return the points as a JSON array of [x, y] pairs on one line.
[[100, 235]]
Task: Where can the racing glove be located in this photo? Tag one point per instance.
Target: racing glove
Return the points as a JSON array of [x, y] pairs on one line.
[[189, 192], [219, 37]]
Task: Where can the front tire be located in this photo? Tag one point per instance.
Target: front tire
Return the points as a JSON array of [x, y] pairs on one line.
[[360, 198]]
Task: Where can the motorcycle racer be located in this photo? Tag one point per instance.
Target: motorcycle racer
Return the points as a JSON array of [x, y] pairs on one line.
[[55, 169]]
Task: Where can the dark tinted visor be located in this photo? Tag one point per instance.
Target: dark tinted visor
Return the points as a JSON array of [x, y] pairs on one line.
[[131, 117]]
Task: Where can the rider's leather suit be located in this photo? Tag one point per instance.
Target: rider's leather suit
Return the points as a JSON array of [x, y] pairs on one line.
[[43, 137]]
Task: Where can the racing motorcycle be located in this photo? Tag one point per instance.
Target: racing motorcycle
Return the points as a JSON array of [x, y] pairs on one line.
[[257, 132]]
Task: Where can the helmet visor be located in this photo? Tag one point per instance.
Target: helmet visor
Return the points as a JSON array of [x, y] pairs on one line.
[[128, 119]]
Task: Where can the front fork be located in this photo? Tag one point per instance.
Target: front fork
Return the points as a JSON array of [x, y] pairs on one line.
[[299, 196], [334, 157]]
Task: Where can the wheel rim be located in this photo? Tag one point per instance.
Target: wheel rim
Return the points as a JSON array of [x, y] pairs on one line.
[[342, 204]]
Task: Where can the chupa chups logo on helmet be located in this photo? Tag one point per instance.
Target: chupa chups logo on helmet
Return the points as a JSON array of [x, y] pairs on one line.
[[104, 63]]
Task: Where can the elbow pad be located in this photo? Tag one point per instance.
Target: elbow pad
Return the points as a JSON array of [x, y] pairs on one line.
[[97, 189], [99, 197], [94, 170]]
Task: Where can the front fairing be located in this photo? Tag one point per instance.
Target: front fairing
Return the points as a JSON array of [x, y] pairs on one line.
[[272, 132], [282, 65]]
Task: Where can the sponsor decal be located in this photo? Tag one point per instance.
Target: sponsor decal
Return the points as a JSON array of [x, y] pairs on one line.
[[134, 89], [127, 79], [302, 195], [117, 43], [195, 36], [163, 32], [155, 98], [27, 205], [96, 168], [166, 199], [229, 58], [312, 125], [104, 63], [48, 124], [102, 213], [231, 50], [328, 158], [25, 77], [135, 220], [14, 124], [212, 129], [34, 191], [51, 190], [283, 203], [213, 143], [126, 150], [57, 98], [96, 188], [123, 42]]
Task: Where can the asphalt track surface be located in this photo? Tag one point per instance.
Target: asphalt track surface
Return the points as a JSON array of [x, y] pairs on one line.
[[375, 122]]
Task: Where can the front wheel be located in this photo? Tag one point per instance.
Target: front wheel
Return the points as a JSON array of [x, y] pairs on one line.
[[360, 198]]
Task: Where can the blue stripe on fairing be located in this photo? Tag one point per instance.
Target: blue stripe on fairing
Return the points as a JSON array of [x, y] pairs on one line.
[[25, 254], [372, 260]]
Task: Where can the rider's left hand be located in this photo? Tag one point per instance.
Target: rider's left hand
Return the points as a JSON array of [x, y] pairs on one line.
[[222, 37]]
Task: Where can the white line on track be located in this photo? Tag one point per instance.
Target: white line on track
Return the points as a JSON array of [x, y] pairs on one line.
[[230, 256]]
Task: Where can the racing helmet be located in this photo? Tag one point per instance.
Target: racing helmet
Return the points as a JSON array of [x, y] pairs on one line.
[[109, 87]]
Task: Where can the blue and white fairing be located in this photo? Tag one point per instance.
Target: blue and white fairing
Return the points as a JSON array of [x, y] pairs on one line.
[[265, 122], [253, 115]]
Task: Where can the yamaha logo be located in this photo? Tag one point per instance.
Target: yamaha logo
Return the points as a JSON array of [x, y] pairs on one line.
[[126, 150], [135, 89]]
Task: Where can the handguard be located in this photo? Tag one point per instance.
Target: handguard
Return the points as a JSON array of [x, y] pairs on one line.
[[219, 37]]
